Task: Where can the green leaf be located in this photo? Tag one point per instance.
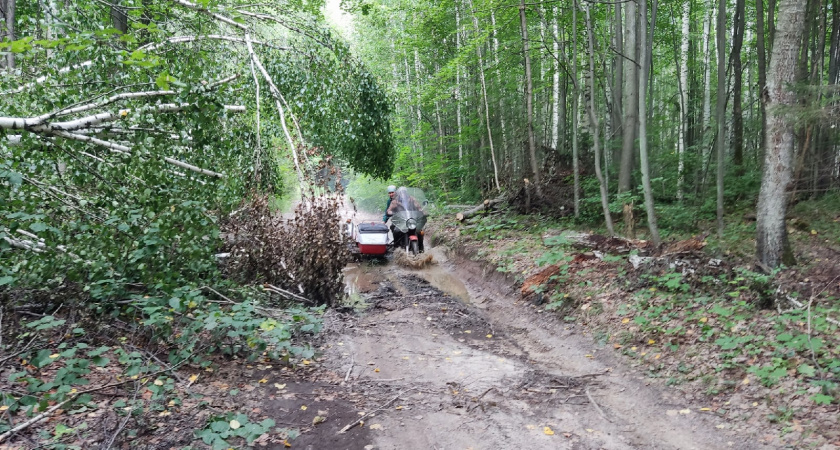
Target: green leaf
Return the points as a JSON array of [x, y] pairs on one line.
[[822, 399], [38, 227], [164, 79], [807, 370]]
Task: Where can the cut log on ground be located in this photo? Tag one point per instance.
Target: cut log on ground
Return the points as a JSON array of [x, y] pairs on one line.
[[487, 205]]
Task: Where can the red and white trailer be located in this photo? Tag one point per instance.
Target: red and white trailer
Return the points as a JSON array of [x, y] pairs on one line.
[[371, 238]]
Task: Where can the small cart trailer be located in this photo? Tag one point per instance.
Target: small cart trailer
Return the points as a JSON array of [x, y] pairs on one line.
[[371, 238]]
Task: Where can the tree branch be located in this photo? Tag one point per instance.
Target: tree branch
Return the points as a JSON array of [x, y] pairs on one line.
[[193, 168], [216, 16], [218, 37], [278, 97]]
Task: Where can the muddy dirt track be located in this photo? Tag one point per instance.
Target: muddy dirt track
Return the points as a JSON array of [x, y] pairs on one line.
[[448, 357]]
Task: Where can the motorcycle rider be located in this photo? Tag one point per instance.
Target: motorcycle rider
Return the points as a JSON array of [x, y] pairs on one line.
[[392, 191], [398, 201]]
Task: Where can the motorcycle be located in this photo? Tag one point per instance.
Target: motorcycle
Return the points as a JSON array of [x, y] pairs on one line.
[[408, 219]]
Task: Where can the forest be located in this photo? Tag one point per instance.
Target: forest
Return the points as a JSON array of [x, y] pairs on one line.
[[655, 110], [174, 176]]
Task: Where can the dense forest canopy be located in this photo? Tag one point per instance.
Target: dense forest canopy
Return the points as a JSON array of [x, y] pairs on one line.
[[663, 104]]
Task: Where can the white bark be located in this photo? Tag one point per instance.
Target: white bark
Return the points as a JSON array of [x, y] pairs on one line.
[[41, 124], [555, 82], [575, 107], [193, 168], [217, 37], [721, 109], [681, 140], [486, 104], [544, 105], [9, 34], [458, 80], [419, 111], [707, 78], [259, 131], [499, 80], [529, 98], [216, 16], [278, 100], [117, 148]]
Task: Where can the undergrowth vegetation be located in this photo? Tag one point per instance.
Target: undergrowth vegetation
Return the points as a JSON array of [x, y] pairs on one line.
[[697, 312], [137, 236]]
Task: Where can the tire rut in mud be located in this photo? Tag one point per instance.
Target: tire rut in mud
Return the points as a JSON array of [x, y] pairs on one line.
[[471, 326]]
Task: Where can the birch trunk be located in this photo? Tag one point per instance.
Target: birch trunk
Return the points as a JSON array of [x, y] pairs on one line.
[[605, 202], [544, 104], [504, 145], [707, 72], [771, 236], [258, 147], [529, 103], [721, 108], [458, 82], [555, 83], [617, 117], [417, 72], [575, 88], [8, 11], [737, 85], [643, 144], [484, 97], [683, 126]]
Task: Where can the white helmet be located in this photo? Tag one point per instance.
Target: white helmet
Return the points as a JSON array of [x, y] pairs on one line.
[[392, 188]]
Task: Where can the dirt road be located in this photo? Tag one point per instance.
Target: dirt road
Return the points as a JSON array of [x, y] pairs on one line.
[[447, 357]]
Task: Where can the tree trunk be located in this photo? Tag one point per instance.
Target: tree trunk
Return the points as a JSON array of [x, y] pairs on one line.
[[822, 152], [458, 83], [682, 139], [418, 100], [707, 84], [643, 144], [487, 205], [605, 202], [737, 85], [8, 11], [631, 101], [721, 108], [834, 46], [529, 103], [575, 106], [504, 145], [772, 247], [484, 97], [771, 25], [618, 73], [555, 84], [119, 18], [762, 72]]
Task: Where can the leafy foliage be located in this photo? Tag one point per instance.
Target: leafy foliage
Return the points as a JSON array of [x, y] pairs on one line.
[[126, 150]]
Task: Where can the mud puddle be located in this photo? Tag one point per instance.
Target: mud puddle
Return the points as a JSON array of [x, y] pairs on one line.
[[364, 277]]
